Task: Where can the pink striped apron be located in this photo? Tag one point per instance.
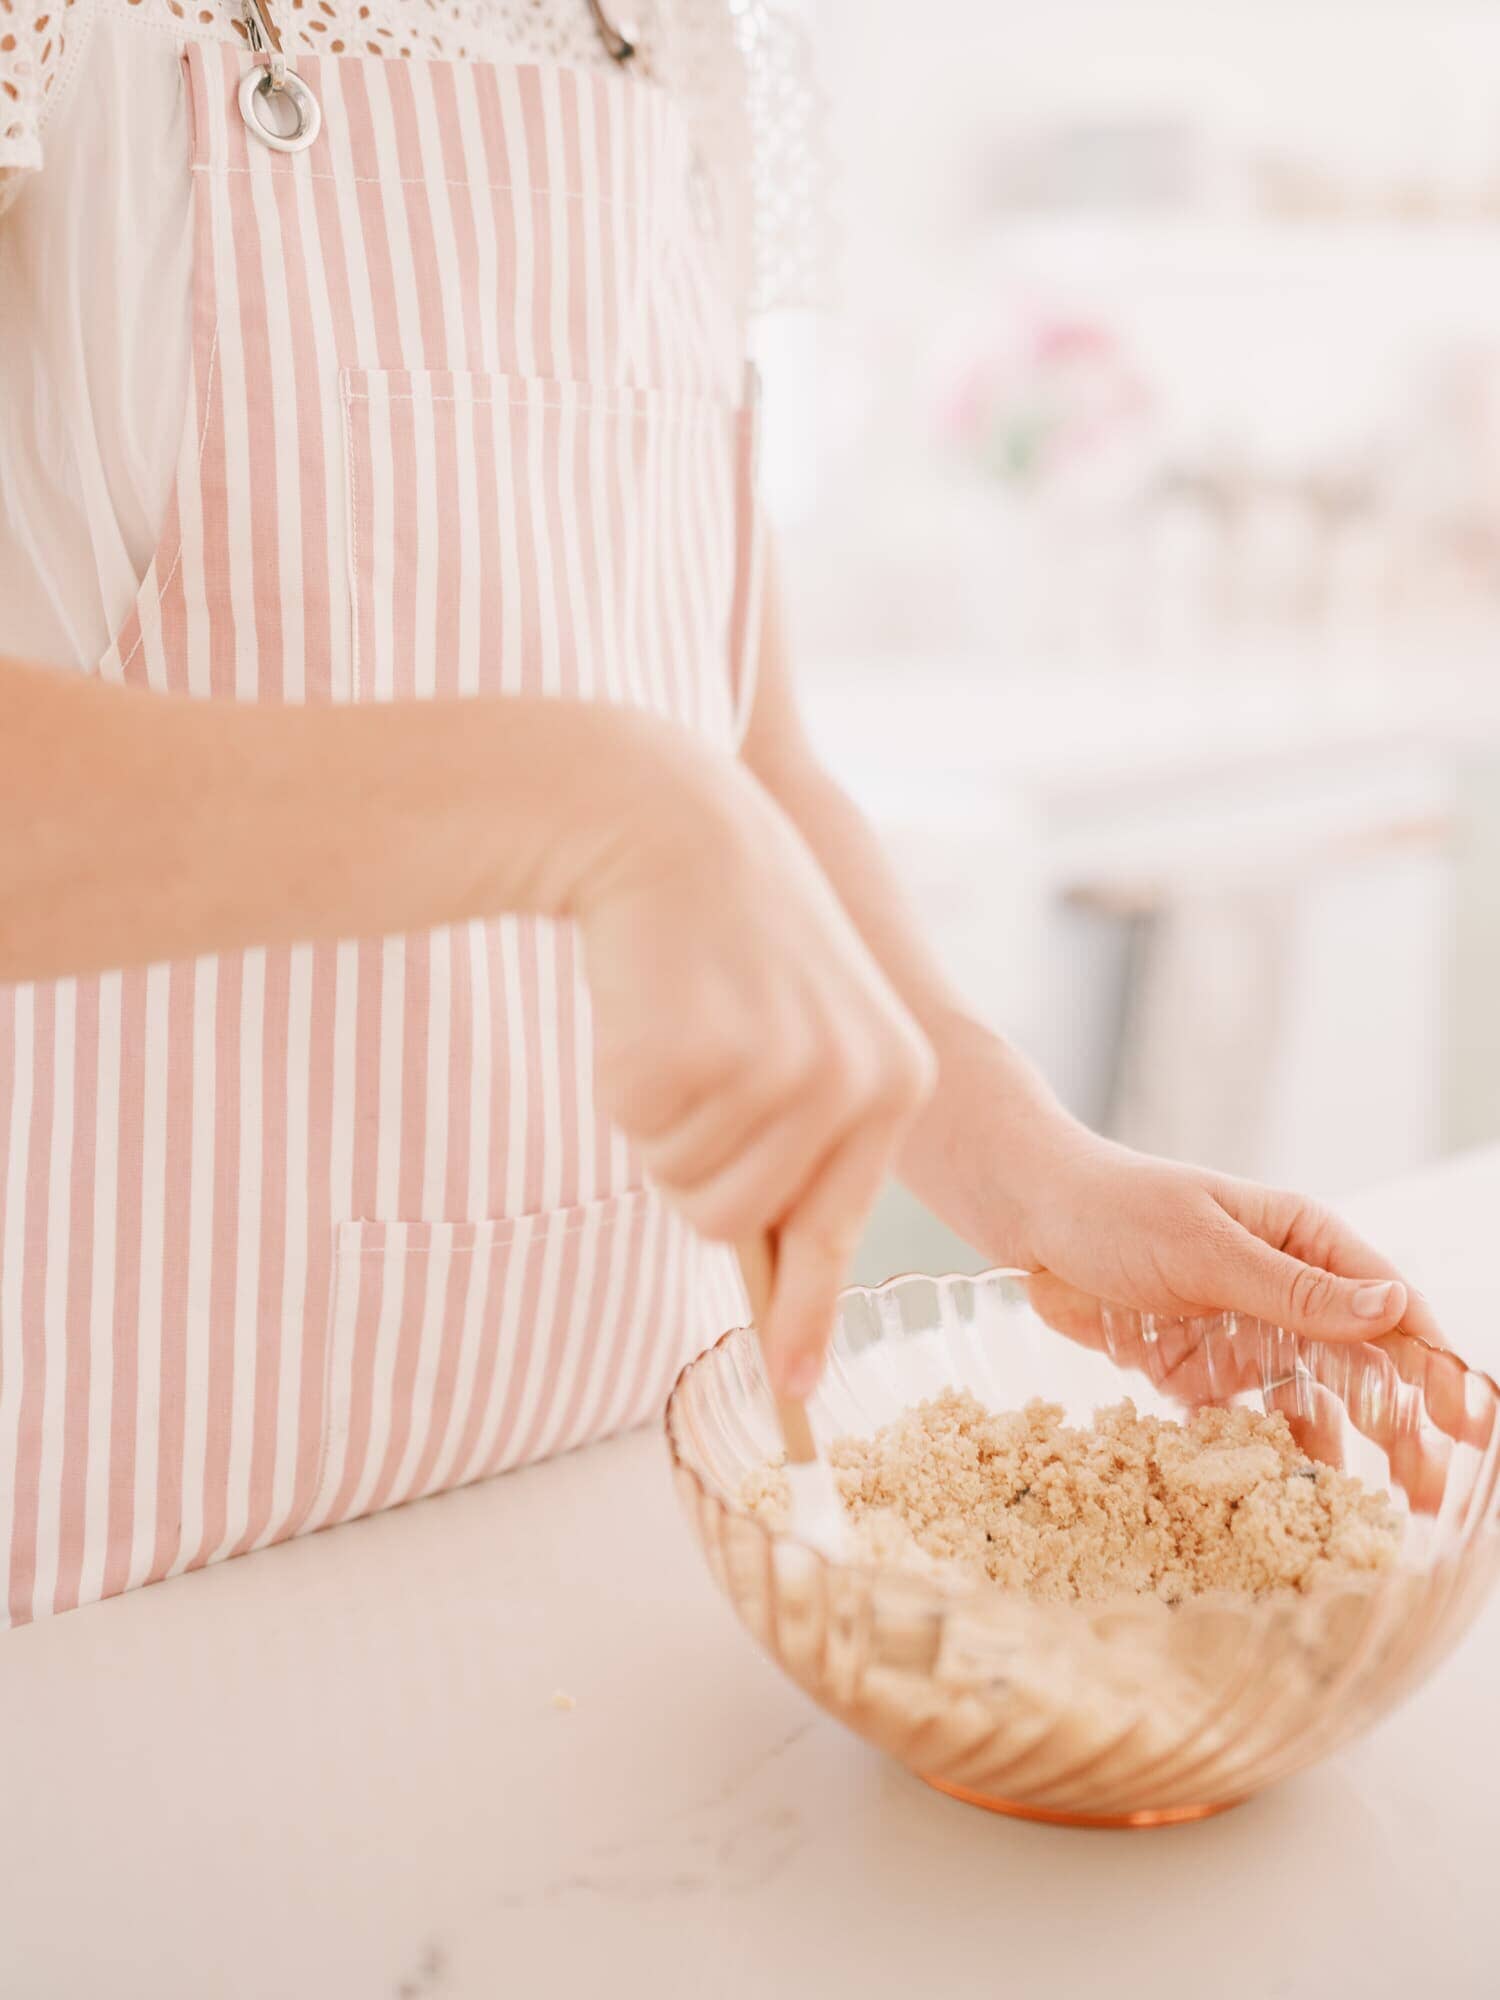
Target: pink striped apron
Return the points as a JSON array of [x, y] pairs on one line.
[[287, 1236]]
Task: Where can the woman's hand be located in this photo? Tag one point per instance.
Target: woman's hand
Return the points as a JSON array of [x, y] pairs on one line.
[[745, 1037], [1109, 1224], [994, 1155], [1177, 1242]]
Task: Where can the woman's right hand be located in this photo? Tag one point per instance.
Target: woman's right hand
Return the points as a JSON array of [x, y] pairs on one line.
[[745, 1038]]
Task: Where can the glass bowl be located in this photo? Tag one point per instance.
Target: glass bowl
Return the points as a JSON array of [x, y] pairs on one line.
[[1130, 1712]]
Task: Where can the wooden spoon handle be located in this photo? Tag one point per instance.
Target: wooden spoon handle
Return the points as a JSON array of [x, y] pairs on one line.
[[757, 1255]]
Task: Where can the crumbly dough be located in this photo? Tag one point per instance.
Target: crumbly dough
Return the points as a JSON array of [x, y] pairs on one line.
[[1133, 1504]]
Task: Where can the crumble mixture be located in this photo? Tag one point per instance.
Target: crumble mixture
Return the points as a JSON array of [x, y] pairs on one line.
[[1137, 1504]]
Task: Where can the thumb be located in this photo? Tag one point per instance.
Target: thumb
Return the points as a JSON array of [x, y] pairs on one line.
[[1309, 1300]]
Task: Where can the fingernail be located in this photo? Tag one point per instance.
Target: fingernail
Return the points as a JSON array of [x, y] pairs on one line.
[[800, 1376], [1372, 1301]]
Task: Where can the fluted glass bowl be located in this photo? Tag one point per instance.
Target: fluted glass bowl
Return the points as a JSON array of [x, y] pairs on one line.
[[1128, 1712]]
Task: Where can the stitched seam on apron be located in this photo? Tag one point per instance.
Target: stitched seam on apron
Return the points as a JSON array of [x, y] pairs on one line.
[[543, 1218], [208, 402], [423, 180], [682, 408]]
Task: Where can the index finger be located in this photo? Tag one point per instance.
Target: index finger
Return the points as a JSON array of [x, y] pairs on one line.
[[1316, 1235], [815, 1245]]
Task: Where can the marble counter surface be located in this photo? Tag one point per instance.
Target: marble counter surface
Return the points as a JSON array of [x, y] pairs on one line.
[[334, 1771]]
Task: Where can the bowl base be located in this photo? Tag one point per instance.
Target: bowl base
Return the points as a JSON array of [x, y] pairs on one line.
[[1013, 1809]]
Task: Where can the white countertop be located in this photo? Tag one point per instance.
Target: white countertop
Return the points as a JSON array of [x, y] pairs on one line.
[[333, 1771]]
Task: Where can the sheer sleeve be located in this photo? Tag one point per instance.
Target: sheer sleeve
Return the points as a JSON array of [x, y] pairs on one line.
[[20, 92], [745, 74], [35, 40], [793, 240]]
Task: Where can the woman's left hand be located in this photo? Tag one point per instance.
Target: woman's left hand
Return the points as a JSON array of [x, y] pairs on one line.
[[1111, 1226], [1119, 1229]]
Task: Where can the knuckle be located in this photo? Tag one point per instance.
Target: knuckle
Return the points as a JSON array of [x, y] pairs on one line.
[[927, 1072], [1316, 1232], [835, 1070], [1197, 1234], [829, 1242], [1311, 1292], [717, 1212], [707, 1061], [806, 1076], [916, 1073], [725, 1072], [899, 1087]]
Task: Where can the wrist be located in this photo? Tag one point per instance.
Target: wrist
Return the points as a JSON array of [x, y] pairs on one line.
[[649, 803], [994, 1145]]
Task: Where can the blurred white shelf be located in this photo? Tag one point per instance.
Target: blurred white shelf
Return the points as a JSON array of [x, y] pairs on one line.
[[1041, 821], [1080, 743], [1460, 258]]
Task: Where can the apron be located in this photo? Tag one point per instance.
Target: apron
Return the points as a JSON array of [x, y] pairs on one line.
[[287, 1236]]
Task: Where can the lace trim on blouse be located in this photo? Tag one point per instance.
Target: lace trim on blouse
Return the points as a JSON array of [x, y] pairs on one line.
[[740, 68]]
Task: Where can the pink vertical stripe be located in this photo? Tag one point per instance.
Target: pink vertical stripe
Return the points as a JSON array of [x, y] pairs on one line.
[[417, 1007], [445, 89], [73, 1499], [119, 1454], [419, 197], [31, 1390], [225, 1236], [462, 1277], [175, 1328], [278, 1090], [317, 1330], [371, 1273]]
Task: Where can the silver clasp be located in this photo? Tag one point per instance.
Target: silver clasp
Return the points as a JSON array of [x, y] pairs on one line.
[[621, 39], [273, 89]]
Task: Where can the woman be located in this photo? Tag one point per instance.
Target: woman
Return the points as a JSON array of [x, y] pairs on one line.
[[494, 951]]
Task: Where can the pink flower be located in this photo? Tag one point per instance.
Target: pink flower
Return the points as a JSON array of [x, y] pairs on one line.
[[1035, 391]]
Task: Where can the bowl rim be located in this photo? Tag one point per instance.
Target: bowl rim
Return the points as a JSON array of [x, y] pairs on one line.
[[940, 1601]]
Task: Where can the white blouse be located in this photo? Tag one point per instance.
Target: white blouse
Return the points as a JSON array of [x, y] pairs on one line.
[[96, 241]]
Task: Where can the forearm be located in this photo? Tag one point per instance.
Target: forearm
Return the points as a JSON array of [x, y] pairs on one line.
[[138, 826], [950, 1157]]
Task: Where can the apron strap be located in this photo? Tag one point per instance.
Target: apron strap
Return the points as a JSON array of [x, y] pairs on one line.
[[749, 559]]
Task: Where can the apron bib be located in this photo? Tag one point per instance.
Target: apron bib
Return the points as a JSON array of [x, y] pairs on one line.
[[287, 1236]]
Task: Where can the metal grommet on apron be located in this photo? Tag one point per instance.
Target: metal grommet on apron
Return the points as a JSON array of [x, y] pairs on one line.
[[273, 90]]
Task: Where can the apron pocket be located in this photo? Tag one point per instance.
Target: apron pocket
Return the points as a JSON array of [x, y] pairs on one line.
[[458, 1349], [516, 535]]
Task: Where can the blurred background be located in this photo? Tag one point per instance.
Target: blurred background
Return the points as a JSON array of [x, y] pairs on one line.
[[1138, 495]]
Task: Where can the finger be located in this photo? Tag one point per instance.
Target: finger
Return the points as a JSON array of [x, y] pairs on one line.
[[1178, 1355], [1316, 1235], [1185, 1361], [1077, 1315], [710, 1134], [1314, 1417], [1330, 1241], [1242, 1273], [815, 1243], [759, 1182], [650, 1087]]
